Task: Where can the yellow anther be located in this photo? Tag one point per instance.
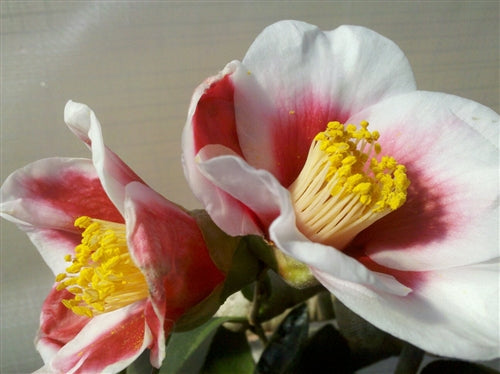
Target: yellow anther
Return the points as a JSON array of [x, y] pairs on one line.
[[97, 273], [344, 185]]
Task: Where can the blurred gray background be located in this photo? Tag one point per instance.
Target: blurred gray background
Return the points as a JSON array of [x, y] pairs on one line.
[[137, 63]]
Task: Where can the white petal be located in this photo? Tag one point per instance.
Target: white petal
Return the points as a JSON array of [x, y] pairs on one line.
[[453, 312], [352, 65], [451, 216]]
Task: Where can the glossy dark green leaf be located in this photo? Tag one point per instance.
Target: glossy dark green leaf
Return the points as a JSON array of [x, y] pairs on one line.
[[285, 344], [324, 352], [188, 349], [367, 343], [229, 354], [454, 366]]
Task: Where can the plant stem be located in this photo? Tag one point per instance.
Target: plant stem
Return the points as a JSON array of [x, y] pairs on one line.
[[409, 359], [253, 318]]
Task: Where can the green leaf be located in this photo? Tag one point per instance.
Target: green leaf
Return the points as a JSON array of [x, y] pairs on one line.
[[367, 343], [183, 345], [141, 365], [229, 353], [455, 366], [285, 344]]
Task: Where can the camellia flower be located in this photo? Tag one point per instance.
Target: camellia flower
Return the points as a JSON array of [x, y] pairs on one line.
[[320, 143], [128, 262]]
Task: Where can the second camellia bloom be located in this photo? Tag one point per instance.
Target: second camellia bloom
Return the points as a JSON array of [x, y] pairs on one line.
[[320, 143], [128, 262]]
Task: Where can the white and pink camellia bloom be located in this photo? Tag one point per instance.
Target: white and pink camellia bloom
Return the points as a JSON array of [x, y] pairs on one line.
[[320, 143], [128, 262]]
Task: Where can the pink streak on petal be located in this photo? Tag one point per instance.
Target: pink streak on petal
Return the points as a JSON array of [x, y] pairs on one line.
[[58, 324], [411, 279], [214, 119], [422, 220], [449, 216], [53, 245], [74, 194], [160, 328], [105, 346], [52, 192], [168, 246], [294, 127]]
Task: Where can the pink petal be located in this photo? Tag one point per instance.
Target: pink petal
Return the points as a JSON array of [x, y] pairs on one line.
[[44, 199], [167, 245], [58, 324], [53, 245], [53, 192], [256, 189], [210, 122], [450, 314], [311, 77], [450, 218], [113, 172], [107, 343], [212, 112]]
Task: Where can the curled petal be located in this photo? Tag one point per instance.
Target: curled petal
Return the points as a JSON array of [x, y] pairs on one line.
[[211, 121], [113, 172], [257, 190], [324, 259]]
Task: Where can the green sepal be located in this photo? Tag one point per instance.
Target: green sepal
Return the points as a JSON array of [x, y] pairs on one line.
[[294, 272], [277, 295], [220, 245]]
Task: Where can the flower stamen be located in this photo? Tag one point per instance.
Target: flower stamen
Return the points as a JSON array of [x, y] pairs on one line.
[[102, 276], [345, 186]]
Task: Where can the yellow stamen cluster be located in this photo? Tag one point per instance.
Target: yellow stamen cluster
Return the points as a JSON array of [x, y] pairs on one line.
[[102, 276], [345, 186]]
